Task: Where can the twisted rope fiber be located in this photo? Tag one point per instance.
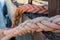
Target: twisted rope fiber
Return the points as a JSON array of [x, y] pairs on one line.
[[27, 8], [35, 25]]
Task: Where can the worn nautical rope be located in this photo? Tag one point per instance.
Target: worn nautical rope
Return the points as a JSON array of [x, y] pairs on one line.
[[27, 8], [35, 25]]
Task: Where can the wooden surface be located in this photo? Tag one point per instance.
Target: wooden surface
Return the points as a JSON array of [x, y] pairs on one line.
[[54, 7]]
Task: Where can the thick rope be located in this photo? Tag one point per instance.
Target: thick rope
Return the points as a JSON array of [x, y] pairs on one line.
[[35, 25], [38, 24], [27, 8]]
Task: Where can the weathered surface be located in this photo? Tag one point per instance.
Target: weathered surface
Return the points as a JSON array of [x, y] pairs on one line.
[[54, 7]]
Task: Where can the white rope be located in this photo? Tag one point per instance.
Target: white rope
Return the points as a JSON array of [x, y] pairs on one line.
[[38, 24]]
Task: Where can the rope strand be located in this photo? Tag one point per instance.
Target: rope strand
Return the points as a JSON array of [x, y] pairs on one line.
[[30, 26], [25, 8]]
